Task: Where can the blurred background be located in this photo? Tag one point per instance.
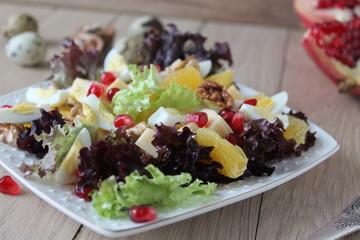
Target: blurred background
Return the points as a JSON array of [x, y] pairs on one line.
[[276, 12]]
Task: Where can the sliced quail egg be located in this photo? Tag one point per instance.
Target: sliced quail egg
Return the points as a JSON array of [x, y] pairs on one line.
[[115, 62], [79, 89], [66, 173], [52, 97], [22, 113], [166, 116], [205, 68], [103, 117], [271, 110], [280, 99]]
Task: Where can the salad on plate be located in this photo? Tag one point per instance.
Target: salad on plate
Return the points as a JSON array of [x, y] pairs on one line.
[[155, 122]]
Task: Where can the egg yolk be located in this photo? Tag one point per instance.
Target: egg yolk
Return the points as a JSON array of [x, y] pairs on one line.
[[25, 108], [44, 93], [117, 63]]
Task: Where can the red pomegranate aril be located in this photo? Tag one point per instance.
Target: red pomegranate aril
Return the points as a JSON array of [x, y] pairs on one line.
[[227, 115], [6, 106], [339, 40], [107, 78], [9, 186], [158, 68], [323, 4], [83, 193], [200, 118], [123, 120], [142, 214], [96, 89], [237, 122], [111, 93], [252, 101], [234, 139]]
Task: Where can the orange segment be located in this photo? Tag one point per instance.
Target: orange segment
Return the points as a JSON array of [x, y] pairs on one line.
[[296, 130], [231, 157], [189, 77], [224, 78]]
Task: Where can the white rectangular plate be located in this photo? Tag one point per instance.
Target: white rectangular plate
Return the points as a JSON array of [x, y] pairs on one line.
[[63, 198]]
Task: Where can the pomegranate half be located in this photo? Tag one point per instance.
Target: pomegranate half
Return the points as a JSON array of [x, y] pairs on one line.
[[332, 39]]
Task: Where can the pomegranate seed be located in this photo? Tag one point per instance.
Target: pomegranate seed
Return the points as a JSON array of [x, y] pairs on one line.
[[227, 115], [6, 106], [322, 4], [83, 193], [107, 78], [9, 186], [252, 101], [339, 40], [123, 120], [158, 68], [234, 139], [96, 89], [141, 214], [237, 122], [200, 118], [111, 93]]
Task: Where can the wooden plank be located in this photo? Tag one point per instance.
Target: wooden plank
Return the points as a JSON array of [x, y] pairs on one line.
[[257, 52], [237, 221], [26, 216], [12, 75], [279, 12], [302, 206]]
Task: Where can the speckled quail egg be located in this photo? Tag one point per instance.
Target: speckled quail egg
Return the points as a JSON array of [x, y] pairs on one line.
[[18, 23], [26, 49]]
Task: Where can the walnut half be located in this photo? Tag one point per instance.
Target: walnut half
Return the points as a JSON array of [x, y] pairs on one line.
[[217, 93], [9, 133]]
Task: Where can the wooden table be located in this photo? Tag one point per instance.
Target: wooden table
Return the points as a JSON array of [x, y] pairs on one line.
[[268, 58]]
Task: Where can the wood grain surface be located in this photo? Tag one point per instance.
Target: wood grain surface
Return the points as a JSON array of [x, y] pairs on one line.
[[266, 57], [278, 12]]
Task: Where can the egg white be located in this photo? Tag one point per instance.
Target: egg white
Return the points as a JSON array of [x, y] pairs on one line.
[[280, 101], [101, 112], [62, 175], [55, 100], [8, 115], [165, 116]]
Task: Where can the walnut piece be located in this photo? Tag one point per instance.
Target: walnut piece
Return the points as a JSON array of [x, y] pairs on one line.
[[137, 130], [9, 133], [217, 93], [179, 64], [77, 109]]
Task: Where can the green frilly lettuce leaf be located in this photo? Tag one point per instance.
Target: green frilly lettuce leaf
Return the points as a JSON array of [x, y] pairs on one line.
[[166, 190]]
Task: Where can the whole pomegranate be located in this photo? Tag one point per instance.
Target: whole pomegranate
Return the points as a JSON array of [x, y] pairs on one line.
[[332, 39]]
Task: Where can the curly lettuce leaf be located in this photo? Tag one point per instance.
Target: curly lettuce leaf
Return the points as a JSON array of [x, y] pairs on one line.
[[177, 96], [73, 63], [136, 99], [139, 189], [145, 81], [129, 102], [58, 141]]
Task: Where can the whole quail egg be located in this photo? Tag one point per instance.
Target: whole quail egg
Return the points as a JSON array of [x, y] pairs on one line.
[[26, 49], [18, 23]]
